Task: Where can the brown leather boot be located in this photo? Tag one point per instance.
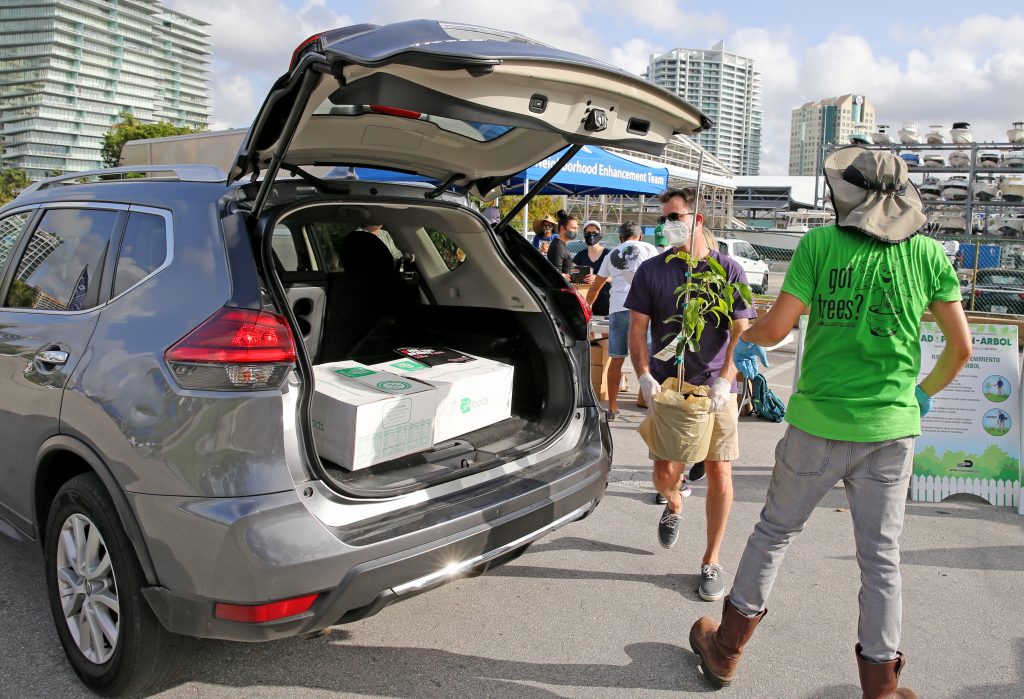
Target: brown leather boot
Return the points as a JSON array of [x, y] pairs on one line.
[[720, 647], [880, 680]]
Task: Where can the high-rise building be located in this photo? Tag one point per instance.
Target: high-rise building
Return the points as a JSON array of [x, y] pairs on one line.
[[816, 125], [724, 86], [68, 68]]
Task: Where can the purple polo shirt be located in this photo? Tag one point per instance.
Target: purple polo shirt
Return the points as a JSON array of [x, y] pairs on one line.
[[653, 294]]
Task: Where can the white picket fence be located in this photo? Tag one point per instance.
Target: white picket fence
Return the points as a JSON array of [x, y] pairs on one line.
[[934, 489]]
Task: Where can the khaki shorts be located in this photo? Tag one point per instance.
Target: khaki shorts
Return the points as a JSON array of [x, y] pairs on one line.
[[725, 441]]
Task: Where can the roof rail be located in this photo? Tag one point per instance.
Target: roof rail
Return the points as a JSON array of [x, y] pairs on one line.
[[180, 173]]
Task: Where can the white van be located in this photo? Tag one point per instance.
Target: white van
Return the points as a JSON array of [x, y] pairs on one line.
[[751, 262]]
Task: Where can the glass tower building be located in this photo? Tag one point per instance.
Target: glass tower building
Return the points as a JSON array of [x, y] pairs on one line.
[[816, 125], [68, 68], [724, 86]]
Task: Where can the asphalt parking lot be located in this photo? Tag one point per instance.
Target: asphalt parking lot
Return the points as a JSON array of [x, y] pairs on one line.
[[598, 609]]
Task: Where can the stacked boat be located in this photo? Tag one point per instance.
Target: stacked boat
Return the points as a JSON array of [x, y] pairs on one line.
[[1006, 225], [981, 194], [882, 137], [935, 137], [961, 132], [909, 136]]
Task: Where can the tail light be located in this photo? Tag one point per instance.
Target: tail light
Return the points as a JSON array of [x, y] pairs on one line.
[[575, 311], [588, 312], [310, 44], [261, 613], [235, 349]]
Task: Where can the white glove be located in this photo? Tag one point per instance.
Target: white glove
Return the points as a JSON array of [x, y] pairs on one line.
[[650, 387], [719, 395]]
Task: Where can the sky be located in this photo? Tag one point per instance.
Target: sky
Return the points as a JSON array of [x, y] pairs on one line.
[[933, 63]]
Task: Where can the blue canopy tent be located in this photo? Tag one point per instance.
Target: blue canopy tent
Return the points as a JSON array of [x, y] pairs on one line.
[[591, 172], [594, 171]]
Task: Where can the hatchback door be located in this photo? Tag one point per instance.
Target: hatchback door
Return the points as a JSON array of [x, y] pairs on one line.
[[463, 105]]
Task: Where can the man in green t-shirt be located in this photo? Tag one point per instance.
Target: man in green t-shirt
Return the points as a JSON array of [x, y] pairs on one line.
[[866, 283]]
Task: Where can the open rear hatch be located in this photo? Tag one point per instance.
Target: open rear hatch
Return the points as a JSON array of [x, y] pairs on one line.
[[468, 107], [456, 103]]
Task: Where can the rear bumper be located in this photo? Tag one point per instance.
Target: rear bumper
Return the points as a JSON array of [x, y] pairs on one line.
[[275, 548]]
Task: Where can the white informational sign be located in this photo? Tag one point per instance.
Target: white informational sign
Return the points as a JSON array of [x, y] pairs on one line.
[[971, 439]]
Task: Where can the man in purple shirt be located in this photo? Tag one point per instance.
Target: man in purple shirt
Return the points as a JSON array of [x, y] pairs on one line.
[[651, 302]]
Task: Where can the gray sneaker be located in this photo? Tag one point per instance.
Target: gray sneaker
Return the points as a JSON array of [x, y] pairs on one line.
[[712, 587], [668, 528]]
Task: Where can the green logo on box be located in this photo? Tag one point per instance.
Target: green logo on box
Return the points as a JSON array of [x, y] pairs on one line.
[[354, 372], [465, 405], [394, 386], [409, 365]]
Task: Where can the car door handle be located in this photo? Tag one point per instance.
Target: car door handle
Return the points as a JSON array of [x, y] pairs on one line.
[[53, 357]]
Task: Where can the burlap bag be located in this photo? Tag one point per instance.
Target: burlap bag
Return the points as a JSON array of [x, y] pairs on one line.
[[678, 427]]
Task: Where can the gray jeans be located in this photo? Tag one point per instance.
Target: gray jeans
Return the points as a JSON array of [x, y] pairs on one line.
[[875, 475]]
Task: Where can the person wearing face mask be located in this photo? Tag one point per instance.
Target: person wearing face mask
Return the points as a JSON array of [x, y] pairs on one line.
[[617, 272], [590, 260], [543, 229], [558, 252], [653, 306]]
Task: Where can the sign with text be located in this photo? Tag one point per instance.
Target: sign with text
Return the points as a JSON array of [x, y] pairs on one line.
[[970, 440]]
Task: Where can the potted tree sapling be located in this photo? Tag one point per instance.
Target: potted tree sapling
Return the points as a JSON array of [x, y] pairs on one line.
[[678, 427]]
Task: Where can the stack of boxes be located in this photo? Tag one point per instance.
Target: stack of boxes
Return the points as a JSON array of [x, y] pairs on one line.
[[363, 415], [599, 360]]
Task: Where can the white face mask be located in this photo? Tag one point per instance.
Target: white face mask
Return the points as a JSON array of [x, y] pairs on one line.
[[677, 233]]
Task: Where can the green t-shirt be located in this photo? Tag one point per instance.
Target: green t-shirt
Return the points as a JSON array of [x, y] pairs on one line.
[[862, 353]]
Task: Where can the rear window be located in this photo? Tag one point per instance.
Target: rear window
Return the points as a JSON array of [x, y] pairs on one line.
[[143, 250], [293, 249], [472, 130], [451, 253], [1000, 278], [60, 267], [10, 227], [746, 250]]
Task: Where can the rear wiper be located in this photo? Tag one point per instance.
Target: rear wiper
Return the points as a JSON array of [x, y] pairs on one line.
[[320, 183]]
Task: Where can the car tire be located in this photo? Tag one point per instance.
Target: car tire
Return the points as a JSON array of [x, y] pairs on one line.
[[94, 585], [763, 288]]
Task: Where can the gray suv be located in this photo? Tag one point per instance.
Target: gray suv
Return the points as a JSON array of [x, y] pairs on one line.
[[160, 325]]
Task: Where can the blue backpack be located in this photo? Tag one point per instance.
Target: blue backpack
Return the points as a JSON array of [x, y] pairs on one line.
[[767, 405]]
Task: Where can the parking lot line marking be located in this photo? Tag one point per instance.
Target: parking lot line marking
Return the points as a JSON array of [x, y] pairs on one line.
[[775, 371]]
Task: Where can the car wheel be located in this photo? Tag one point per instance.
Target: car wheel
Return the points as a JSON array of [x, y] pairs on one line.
[[763, 288], [94, 582]]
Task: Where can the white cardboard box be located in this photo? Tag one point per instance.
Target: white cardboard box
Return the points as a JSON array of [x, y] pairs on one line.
[[469, 396], [362, 416]]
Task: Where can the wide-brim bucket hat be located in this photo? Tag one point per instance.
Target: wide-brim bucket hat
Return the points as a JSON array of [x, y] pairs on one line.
[[872, 193], [538, 224]]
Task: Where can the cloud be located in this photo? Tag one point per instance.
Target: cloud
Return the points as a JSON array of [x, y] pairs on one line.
[[235, 101], [252, 42], [780, 87], [633, 56], [670, 17], [259, 35], [950, 74]]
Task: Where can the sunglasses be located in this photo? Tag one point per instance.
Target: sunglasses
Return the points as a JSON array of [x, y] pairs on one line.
[[676, 216]]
